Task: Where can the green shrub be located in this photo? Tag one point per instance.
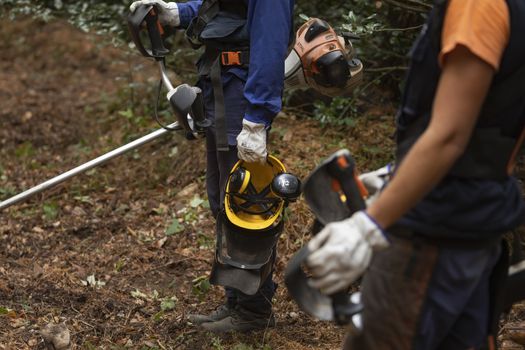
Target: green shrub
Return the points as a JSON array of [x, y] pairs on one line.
[[386, 29]]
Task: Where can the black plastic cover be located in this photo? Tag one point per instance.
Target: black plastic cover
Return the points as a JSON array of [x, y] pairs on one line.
[[334, 70], [181, 101], [316, 28]]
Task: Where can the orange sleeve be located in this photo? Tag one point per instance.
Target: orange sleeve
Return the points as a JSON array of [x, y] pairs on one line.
[[483, 26]]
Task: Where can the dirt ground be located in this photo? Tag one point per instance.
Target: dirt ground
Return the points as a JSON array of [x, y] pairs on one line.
[[120, 255]]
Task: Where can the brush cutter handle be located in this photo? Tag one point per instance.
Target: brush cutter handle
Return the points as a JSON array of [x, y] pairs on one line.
[[186, 101], [146, 16], [342, 169]]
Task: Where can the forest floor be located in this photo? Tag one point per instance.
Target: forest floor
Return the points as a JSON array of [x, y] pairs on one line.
[[120, 254]]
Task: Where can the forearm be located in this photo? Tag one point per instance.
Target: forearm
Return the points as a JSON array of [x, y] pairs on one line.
[[423, 167]]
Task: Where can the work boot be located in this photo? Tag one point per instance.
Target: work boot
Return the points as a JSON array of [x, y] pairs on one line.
[[218, 314], [240, 322]]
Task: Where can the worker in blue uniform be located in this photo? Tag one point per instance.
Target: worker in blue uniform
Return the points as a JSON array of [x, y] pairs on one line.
[[241, 75]]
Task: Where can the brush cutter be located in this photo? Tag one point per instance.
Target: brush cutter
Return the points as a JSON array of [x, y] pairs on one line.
[[333, 193]]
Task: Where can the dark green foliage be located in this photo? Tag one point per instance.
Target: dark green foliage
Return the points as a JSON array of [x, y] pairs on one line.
[[89, 15], [386, 29]]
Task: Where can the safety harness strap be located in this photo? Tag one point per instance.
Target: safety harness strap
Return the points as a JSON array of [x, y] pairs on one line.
[[223, 59], [221, 134], [208, 10], [216, 56], [238, 57], [235, 58]]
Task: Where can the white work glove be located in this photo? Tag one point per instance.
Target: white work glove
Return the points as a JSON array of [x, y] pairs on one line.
[[342, 251], [375, 181], [168, 11], [251, 142]]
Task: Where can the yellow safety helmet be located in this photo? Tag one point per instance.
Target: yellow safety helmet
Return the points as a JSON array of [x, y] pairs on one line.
[[256, 193]]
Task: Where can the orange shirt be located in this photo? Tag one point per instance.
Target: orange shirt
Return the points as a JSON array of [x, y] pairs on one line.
[[483, 26]]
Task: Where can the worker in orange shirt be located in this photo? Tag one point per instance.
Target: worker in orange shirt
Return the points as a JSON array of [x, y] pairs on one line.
[[432, 237]]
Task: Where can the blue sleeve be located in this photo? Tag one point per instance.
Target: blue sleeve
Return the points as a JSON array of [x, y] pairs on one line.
[[270, 25], [188, 10]]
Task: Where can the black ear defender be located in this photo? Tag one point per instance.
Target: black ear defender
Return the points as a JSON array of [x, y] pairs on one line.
[[286, 186], [240, 181]]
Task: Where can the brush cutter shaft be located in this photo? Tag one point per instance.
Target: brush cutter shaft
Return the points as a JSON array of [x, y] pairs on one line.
[[85, 167], [164, 74]]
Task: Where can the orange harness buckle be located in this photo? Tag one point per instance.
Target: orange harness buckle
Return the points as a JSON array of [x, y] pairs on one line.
[[231, 58]]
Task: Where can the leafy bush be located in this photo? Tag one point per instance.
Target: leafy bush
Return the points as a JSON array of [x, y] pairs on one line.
[[386, 29], [103, 17]]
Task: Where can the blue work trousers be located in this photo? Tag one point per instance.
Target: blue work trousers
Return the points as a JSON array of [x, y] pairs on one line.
[[218, 167], [426, 297]]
